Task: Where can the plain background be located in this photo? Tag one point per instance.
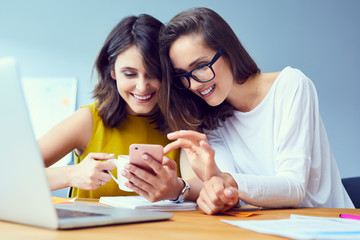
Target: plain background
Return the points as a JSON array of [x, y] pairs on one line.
[[62, 38]]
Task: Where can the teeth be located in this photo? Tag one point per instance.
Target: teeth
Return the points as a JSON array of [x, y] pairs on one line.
[[142, 97], [207, 90]]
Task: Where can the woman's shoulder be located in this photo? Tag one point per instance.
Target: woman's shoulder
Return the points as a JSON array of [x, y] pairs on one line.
[[291, 73], [294, 86], [91, 106], [292, 78]]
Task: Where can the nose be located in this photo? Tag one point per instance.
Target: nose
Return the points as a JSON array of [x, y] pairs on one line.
[[195, 85], [142, 84]]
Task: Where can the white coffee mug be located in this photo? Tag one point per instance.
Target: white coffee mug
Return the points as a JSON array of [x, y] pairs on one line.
[[121, 180]]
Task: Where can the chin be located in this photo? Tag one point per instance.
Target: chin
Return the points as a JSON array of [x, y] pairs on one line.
[[213, 103], [143, 111]]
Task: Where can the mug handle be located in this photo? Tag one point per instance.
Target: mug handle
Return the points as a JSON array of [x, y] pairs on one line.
[[117, 165]]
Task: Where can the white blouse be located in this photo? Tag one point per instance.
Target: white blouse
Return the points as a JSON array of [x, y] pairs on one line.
[[279, 153]]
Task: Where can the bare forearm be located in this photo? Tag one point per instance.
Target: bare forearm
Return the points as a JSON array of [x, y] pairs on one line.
[[58, 177], [195, 188]]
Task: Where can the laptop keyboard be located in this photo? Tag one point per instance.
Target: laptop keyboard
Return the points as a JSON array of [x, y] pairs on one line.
[[64, 213]]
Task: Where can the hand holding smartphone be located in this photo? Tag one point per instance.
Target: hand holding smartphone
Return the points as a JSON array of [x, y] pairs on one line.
[[137, 151]]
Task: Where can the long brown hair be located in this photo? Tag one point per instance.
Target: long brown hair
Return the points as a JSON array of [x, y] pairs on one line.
[[182, 108], [143, 32]]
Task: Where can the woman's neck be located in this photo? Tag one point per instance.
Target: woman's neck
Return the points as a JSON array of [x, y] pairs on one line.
[[247, 96]]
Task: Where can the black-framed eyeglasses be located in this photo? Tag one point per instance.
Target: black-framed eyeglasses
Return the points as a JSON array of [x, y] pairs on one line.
[[202, 73]]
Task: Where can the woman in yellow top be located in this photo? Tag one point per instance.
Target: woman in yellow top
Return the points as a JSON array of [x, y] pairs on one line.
[[125, 112]]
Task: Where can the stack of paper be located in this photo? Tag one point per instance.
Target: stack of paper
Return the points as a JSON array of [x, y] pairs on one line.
[[305, 227], [138, 202]]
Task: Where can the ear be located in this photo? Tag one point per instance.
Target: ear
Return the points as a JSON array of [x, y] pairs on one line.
[[113, 74]]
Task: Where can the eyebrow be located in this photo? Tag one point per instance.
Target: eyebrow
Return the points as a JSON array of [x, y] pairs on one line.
[[196, 60], [128, 68], [192, 63]]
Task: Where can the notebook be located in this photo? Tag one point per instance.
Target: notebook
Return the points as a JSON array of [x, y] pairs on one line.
[[25, 196], [138, 202]]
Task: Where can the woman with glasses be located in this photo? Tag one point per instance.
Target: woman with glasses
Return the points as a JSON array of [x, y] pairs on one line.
[[265, 142]]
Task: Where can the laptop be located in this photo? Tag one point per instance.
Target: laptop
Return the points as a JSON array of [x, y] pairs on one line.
[[25, 196]]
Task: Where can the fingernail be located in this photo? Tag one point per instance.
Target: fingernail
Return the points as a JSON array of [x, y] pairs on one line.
[[170, 135], [123, 173], [229, 192], [165, 150], [183, 130], [145, 157], [111, 155], [127, 166]]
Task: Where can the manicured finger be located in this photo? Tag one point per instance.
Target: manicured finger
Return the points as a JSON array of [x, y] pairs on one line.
[[141, 192], [139, 173], [202, 205], [171, 164], [231, 195], [140, 183], [152, 163], [101, 156], [207, 148], [204, 202], [215, 196], [216, 187], [107, 166], [196, 136], [105, 177], [179, 143], [135, 188]]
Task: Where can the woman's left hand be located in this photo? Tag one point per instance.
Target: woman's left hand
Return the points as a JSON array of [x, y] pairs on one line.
[[164, 185], [218, 194]]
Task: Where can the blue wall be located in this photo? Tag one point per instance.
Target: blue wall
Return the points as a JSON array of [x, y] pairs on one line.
[[322, 38]]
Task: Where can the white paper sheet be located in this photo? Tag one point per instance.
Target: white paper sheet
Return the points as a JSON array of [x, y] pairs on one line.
[[304, 227]]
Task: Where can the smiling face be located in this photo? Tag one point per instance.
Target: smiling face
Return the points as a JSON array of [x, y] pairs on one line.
[[135, 85], [188, 52]]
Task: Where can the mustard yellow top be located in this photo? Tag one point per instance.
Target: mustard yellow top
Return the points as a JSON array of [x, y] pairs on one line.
[[133, 129]]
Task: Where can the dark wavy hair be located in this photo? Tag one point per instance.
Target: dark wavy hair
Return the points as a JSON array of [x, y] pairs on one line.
[[143, 32], [182, 108]]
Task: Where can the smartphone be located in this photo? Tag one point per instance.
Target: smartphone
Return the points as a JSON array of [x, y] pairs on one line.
[[137, 151]]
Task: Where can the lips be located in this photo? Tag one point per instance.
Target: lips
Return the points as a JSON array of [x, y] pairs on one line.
[[207, 91], [143, 98]]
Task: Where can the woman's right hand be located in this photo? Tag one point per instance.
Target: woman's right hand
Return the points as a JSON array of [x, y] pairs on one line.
[[91, 173], [198, 151]]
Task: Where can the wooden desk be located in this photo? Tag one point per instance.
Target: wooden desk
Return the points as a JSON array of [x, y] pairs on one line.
[[183, 226]]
